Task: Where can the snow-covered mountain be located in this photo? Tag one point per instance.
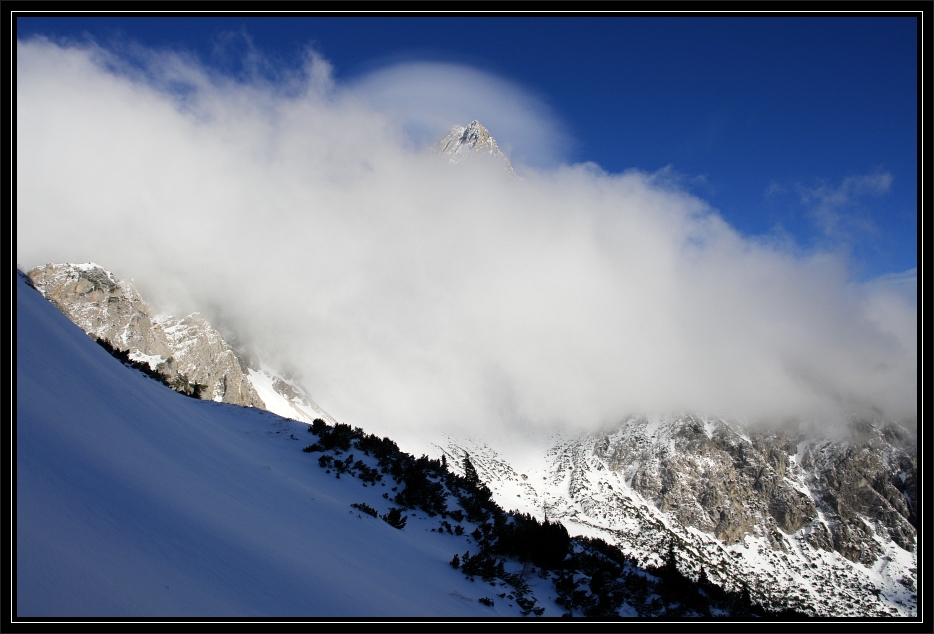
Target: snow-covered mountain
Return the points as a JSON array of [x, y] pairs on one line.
[[813, 519], [462, 144]]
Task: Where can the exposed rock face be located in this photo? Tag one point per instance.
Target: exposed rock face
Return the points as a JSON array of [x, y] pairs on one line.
[[113, 310], [710, 477], [184, 351], [463, 143], [823, 524], [713, 476], [865, 487]]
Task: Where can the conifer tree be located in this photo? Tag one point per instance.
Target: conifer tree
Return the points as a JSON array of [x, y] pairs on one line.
[[470, 473]]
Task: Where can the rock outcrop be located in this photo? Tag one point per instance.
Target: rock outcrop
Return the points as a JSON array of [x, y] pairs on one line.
[[205, 358], [102, 306], [110, 309]]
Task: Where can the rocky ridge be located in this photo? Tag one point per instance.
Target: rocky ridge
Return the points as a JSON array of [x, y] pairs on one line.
[[824, 525], [113, 310]]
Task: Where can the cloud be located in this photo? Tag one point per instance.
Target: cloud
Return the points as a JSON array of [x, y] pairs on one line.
[[891, 304], [775, 189], [833, 207], [413, 296]]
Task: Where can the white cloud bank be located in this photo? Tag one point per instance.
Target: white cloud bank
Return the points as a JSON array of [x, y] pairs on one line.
[[413, 295]]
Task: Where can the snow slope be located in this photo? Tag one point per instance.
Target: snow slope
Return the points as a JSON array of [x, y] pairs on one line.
[[134, 500]]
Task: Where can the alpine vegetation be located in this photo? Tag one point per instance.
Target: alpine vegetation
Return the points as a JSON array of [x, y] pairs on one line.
[[113, 312], [794, 519]]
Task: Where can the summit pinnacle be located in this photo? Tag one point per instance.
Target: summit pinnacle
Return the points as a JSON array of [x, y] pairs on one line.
[[461, 143]]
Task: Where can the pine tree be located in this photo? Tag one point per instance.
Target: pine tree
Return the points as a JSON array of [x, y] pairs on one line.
[[470, 473], [394, 518]]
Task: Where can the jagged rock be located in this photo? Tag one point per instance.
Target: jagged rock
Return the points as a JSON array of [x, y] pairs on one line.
[[181, 350], [819, 536], [791, 509], [732, 526], [855, 483], [714, 481], [722, 481]]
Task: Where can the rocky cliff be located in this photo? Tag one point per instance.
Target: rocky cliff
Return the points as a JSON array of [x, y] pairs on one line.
[[723, 480], [205, 358]]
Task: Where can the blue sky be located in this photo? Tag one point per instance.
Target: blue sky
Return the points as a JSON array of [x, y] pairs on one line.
[[790, 127]]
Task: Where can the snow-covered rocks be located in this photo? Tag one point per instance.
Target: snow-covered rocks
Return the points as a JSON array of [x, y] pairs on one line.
[[286, 397], [825, 525], [112, 310], [818, 524], [133, 501]]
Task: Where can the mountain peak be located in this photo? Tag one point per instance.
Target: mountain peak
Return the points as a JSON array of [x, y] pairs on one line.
[[461, 143]]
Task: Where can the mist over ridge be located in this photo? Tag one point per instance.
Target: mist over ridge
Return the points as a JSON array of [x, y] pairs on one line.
[[408, 294]]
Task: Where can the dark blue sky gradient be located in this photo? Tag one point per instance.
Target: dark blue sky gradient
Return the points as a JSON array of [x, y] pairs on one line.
[[750, 111]]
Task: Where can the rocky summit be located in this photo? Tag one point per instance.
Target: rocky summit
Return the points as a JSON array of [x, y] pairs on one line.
[[461, 144]]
